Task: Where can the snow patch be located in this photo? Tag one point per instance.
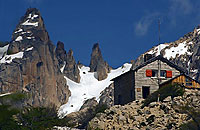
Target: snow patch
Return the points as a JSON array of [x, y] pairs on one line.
[[20, 30], [62, 68], [29, 49], [30, 38], [32, 17], [88, 88], [181, 49], [3, 50], [19, 38], [9, 58], [27, 23], [157, 49]]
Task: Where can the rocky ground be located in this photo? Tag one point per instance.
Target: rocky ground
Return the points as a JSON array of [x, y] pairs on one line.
[[157, 115]]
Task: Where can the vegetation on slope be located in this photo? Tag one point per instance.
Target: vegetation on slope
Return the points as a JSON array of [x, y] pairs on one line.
[[172, 90]]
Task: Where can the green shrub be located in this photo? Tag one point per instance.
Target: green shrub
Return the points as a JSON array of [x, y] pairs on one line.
[[165, 91], [38, 118], [7, 121]]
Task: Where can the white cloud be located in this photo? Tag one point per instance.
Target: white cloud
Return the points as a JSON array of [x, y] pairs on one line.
[[179, 8], [142, 26]]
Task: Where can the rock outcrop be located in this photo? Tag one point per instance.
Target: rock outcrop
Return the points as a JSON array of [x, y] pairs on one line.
[[67, 63], [97, 63], [157, 115], [61, 54], [81, 118], [31, 65], [107, 96]]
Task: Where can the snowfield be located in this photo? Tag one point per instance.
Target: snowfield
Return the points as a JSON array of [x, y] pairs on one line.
[[88, 88], [181, 49], [173, 51]]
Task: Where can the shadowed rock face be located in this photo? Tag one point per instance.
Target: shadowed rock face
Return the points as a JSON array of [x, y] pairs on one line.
[[97, 63], [68, 62], [61, 53], [37, 72]]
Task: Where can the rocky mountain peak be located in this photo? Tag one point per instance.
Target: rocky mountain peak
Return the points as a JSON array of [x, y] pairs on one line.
[[97, 63], [30, 28], [31, 65]]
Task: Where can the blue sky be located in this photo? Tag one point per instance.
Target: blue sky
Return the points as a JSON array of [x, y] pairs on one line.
[[124, 28]]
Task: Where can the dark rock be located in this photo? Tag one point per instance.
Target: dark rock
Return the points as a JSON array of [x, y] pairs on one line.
[[81, 118], [60, 53], [68, 62], [107, 96], [97, 63], [71, 68], [151, 119], [89, 103]]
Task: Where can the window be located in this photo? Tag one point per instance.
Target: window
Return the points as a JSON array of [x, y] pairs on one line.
[[154, 73], [163, 73], [188, 82]]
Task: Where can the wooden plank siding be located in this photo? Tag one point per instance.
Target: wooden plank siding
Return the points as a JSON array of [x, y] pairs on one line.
[[142, 80], [182, 80], [124, 89]]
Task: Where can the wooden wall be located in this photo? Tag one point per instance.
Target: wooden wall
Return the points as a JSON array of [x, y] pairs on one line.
[[142, 80], [182, 80], [124, 87]]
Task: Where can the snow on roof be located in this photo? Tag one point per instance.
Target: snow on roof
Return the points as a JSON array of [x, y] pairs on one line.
[[88, 88], [3, 50], [19, 38], [181, 49], [27, 23], [9, 58]]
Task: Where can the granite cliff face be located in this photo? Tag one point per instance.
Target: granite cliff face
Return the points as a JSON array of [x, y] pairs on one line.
[[31, 66], [97, 63]]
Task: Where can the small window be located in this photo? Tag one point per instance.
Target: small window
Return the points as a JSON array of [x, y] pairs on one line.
[[163, 73], [154, 73], [188, 82]]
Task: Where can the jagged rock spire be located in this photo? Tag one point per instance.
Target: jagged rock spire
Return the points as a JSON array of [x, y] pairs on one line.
[[97, 63], [67, 61]]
